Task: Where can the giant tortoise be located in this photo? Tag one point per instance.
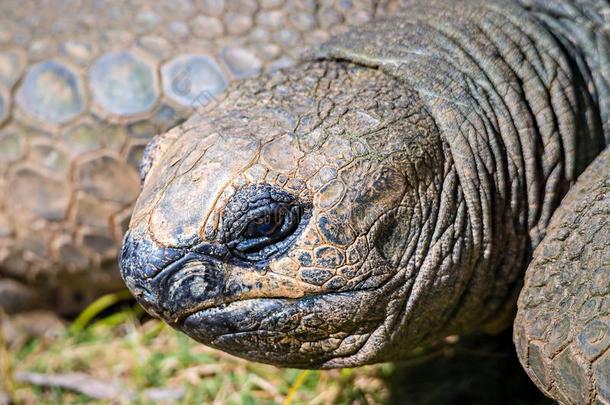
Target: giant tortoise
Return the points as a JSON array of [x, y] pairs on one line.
[[419, 175]]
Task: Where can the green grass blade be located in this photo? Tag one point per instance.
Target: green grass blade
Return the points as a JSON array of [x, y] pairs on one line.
[[96, 307]]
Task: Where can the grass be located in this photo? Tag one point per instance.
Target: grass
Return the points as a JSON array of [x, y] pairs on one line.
[[137, 356]]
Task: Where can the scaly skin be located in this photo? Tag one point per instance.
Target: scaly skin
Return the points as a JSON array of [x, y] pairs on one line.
[[562, 329], [83, 86], [384, 194], [355, 181]]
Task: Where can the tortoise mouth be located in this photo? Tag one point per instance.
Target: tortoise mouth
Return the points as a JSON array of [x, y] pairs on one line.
[[250, 328], [247, 309], [251, 311], [303, 333]]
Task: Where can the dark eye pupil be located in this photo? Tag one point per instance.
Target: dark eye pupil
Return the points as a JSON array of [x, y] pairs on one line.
[[264, 226]]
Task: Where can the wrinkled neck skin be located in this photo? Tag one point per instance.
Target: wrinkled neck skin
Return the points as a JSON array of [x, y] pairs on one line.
[[407, 209]]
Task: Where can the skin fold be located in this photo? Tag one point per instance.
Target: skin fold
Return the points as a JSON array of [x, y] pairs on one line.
[[422, 172]]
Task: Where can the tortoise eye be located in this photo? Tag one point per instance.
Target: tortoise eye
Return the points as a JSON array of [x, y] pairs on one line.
[[267, 230], [264, 226], [261, 221]]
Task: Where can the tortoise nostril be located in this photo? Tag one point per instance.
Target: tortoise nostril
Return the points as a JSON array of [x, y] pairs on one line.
[[141, 258], [193, 283]]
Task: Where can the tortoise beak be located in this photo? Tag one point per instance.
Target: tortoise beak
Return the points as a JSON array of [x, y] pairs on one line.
[[169, 281], [174, 283], [140, 261]]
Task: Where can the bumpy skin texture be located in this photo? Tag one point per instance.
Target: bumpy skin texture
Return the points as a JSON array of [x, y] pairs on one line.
[[84, 86], [562, 329], [333, 136], [425, 154]]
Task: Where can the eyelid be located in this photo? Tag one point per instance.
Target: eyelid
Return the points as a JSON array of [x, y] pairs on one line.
[[253, 243], [263, 246], [280, 217], [289, 215], [242, 223], [268, 219]]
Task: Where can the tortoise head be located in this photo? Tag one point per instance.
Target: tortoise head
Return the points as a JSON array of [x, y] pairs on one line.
[[287, 222]]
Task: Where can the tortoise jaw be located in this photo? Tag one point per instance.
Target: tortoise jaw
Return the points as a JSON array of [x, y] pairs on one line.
[[286, 332], [253, 312]]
